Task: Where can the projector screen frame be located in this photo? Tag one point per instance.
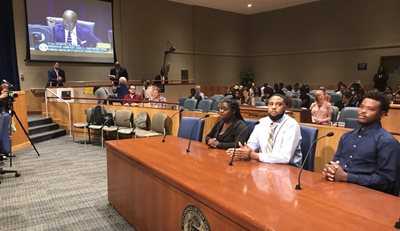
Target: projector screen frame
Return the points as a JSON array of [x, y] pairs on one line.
[[74, 57]]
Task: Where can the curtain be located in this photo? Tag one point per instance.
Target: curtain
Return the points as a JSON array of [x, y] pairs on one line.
[[8, 53]]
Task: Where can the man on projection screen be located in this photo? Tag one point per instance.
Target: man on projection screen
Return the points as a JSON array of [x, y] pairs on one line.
[[70, 32]]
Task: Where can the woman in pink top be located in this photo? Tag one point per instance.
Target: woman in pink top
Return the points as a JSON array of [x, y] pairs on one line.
[[321, 111]]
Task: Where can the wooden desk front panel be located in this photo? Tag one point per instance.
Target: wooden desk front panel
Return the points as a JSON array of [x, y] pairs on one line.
[[148, 202], [19, 139], [257, 196]]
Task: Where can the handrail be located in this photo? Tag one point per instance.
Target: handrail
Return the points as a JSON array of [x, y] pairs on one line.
[[68, 104], [140, 103], [90, 83]]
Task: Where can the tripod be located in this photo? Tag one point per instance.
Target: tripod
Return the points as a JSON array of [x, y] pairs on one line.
[[9, 116]]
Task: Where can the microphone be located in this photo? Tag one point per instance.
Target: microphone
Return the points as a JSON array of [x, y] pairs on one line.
[[191, 134], [165, 134], [81, 42], [237, 140], [298, 186]]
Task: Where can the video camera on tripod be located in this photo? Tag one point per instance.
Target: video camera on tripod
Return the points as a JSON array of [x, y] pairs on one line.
[[12, 95]]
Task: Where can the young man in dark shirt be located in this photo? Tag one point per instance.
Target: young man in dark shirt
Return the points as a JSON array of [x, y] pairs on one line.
[[369, 156]]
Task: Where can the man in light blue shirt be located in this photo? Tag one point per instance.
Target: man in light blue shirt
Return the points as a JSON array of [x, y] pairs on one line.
[[282, 146]]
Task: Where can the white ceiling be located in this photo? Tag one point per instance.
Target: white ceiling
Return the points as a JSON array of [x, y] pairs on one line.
[[240, 6]]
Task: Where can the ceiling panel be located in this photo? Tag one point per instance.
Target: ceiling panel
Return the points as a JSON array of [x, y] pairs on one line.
[[240, 6]]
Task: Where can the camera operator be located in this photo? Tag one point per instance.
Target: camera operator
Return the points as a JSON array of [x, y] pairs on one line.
[[4, 97], [4, 121]]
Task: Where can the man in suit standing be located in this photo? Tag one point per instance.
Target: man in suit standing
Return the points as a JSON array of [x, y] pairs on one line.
[[117, 72], [56, 76], [70, 32], [162, 78]]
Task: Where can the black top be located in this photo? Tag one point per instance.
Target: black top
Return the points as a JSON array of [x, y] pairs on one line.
[[158, 79], [305, 101], [227, 140], [122, 72], [4, 105], [380, 80]]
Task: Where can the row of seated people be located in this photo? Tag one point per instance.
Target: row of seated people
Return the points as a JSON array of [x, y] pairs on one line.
[[253, 96], [127, 95], [279, 139], [326, 106]]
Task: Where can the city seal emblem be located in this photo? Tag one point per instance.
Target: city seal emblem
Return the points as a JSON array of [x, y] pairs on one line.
[[193, 219]]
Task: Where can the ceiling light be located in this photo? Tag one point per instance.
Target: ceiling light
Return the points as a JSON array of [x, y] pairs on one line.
[[249, 5]]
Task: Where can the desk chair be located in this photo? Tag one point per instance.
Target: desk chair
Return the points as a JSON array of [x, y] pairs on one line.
[[308, 136], [251, 128], [186, 126], [190, 104], [82, 125], [204, 105], [352, 123], [123, 123], [347, 112], [158, 122], [99, 127]]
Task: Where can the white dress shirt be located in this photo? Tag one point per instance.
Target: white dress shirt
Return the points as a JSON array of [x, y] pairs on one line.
[[287, 139], [73, 36]]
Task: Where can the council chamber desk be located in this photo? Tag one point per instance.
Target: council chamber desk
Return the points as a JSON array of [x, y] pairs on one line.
[[155, 186]]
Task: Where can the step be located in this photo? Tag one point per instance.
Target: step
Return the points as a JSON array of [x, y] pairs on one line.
[[43, 128], [44, 136], [39, 121]]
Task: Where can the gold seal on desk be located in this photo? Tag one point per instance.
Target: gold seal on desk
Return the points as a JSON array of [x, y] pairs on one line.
[[193, 219]]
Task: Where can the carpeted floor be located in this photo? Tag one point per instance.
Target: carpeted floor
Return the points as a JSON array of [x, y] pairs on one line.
[[63, 189]]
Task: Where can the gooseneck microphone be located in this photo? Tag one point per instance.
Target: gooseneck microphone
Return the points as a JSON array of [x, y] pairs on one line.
[[191, 133], [165, 134], [237, 140], [298, 186]]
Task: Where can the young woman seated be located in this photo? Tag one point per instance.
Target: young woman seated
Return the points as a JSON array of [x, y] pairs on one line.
[[226, 131]]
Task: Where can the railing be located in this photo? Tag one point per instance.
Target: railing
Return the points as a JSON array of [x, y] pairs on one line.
[[62, 100], [139, 103], [92, 83]]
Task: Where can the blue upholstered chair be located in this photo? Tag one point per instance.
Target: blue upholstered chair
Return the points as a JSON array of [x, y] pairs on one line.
[[204, 105], [308, 135], [186, 125], [217, 97], [335, 112], [260, 104], [296, 103], [181, 101], [251, 128], [214, 107], [352, 123], [336, 97], [190, 104], [347, 112]]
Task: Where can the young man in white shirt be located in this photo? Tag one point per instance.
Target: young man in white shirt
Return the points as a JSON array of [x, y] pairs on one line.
[[282, 146]]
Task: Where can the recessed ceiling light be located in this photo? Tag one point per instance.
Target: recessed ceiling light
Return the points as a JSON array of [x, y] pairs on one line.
[[249, 5]]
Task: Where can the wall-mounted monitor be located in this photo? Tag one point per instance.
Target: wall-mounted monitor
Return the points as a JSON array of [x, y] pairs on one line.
[[70, 31]]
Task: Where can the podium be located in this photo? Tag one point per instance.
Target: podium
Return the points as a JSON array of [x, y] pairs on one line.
[[158, 186]]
